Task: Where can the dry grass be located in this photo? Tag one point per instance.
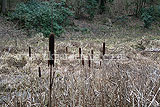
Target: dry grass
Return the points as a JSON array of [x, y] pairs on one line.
[[133, 80]]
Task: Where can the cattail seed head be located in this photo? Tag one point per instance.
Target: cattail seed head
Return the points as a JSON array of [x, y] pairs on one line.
[[66, 49], [80, 52], [104, 48], [51, 48], [29, 51], [51, 42], [89, 61], [39, 70], [92, 53], [82, 61]]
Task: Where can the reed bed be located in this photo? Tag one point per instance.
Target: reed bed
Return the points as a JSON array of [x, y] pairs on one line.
[[90, 77]]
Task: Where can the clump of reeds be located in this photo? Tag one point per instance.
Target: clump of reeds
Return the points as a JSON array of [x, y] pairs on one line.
[[133, 83]]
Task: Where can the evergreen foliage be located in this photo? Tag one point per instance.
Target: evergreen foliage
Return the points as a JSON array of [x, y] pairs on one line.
[[38, 16]]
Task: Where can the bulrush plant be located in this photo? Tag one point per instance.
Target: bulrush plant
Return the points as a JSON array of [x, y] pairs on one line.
[[51, 48], [104, 49], [80, 53], [89, 66], [100, 63], [51, 64], [29, 51], [39, 71], [39, 87], [92, 54], [82, 61], [66, 50], [89, 62]]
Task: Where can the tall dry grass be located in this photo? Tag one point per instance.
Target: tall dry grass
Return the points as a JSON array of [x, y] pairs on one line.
[[133, 80]]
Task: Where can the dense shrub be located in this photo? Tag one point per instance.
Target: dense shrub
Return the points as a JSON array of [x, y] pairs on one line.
[[85, 7], [150, 14], [38, 15], [91, 6], [147, 16]]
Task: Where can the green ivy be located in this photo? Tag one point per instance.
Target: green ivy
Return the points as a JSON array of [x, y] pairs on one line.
[[38, 16]]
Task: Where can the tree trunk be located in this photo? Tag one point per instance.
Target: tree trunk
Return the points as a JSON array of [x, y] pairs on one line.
[[4, 6], [102, 6]]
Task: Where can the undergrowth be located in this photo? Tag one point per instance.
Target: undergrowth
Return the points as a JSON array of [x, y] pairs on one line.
[[150, 14], [38, 16]]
